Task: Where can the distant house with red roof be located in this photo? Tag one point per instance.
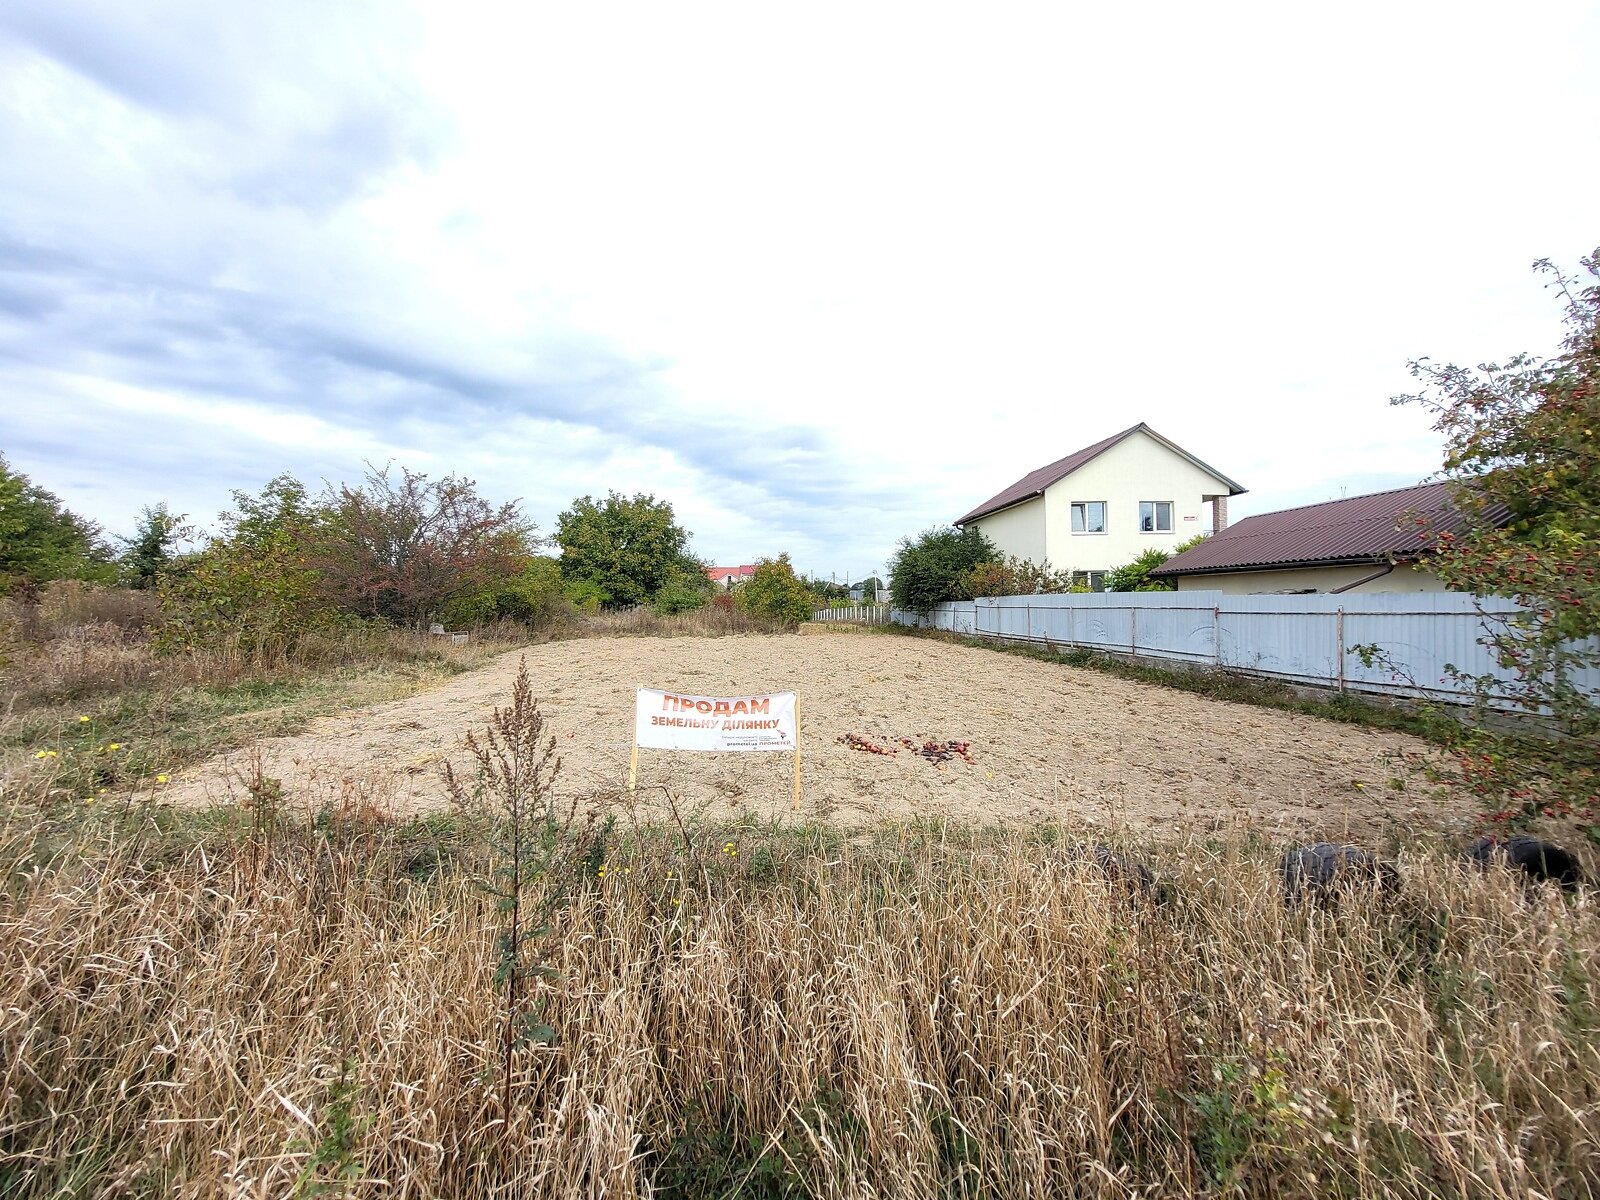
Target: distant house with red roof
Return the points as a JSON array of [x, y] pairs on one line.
[[726, 577], [1366, 543]]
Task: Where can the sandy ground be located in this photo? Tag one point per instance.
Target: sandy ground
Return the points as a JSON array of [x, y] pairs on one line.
[[1048, 742]]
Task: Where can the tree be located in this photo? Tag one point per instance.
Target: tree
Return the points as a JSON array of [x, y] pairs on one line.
[[41, 540], [627, 548], [775, 593], [1521, 452], [933, 568], [284, 506], [148, 554], [827, 590], [400, 548], [534, 596]]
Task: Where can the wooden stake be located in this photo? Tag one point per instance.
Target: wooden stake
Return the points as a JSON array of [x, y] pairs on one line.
[[633, 771], [797, 754]]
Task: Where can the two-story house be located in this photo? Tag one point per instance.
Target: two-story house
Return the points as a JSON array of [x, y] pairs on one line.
[[1106, 504]]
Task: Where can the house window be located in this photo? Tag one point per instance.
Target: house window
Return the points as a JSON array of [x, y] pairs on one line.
[[1095, 581], [1088, 516], [1155, 516]]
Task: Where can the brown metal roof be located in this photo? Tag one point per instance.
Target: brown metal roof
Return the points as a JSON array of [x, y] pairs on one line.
[[1034, 483], [1353, 530]]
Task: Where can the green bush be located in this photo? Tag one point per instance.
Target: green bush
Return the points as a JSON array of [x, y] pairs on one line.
[[252, 598], [775, 593], [253, 588], [1135, 576], [586, 595], [536, 596], [686, 589], [934, 568], [1015, 577]]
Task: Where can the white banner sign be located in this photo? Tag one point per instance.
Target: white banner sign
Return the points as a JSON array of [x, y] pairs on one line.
[[673, 721]]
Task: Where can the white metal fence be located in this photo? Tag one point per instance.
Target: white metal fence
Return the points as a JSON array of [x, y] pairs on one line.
[[860, 614], [1299, 639]]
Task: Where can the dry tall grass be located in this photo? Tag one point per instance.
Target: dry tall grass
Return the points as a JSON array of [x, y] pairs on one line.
[[84, 641], [763, 1014], [713, 620]]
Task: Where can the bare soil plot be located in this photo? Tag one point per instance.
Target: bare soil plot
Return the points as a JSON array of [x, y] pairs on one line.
[[1048, 742]]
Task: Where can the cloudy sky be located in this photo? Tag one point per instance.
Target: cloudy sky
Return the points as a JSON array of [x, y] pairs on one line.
[[821, 275]]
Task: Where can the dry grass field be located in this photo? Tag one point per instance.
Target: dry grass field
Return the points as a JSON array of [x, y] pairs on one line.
[[1049, 743], [741, 1012]]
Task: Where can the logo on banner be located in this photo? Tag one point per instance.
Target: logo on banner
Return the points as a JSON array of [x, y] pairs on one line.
[[673, 721]]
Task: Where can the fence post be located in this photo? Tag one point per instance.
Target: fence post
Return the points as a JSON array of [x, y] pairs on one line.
[[1028, 608], [1216, 636], [1133, 630], [1339, 633]]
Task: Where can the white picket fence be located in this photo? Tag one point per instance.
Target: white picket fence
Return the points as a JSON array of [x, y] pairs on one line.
[[859, 614], [1298, 639]]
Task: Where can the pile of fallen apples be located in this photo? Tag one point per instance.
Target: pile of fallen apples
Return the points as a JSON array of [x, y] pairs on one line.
[[934, 752], [856, 742]]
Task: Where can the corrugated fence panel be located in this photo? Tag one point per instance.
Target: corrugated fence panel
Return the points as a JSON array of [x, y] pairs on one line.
[[1302, 639], [1163, 624], [1269, 638], [1417, 641]]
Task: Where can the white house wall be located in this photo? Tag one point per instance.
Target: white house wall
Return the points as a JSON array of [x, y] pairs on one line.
[[1319, 579], [1018, 530], [1139, 468]]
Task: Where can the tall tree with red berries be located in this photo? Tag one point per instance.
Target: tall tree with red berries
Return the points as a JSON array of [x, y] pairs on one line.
[[401, 547], [1520, 445]]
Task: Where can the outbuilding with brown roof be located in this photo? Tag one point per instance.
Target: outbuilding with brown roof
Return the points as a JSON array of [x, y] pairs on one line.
[[1370, 543]]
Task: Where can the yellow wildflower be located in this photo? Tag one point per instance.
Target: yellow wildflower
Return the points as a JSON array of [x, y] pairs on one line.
[[83, 720], [161, 778], [114, 746]]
